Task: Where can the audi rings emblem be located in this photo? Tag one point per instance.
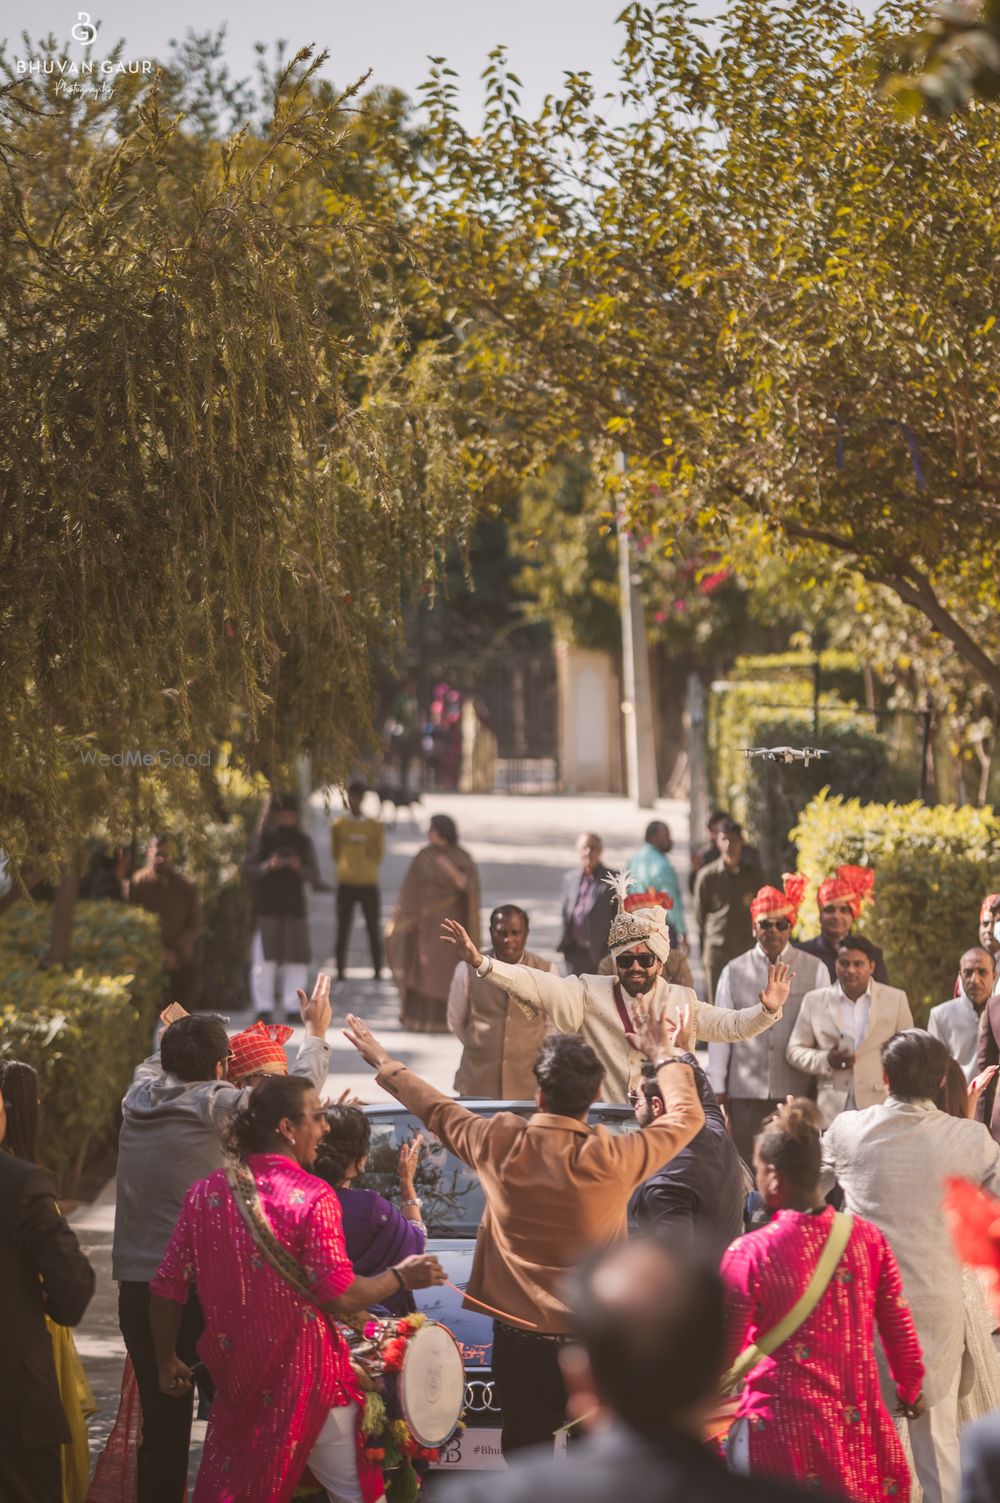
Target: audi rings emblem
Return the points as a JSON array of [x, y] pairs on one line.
[[479, 1396]]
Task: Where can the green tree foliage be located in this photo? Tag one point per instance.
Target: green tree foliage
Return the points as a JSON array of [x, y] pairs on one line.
[[226, 457], [747, 270]]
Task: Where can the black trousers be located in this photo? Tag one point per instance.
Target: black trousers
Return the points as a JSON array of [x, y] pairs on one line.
[[347, 896], [162, 1466], [30, 1474], [529, 1387]]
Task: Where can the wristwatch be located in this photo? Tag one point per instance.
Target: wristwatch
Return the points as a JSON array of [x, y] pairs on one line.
[[486, 967], [671, 1059], [412, 1201]]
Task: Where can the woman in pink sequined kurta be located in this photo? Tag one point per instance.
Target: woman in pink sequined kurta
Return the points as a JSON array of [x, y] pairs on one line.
[[813, 1409], [278, 1362]]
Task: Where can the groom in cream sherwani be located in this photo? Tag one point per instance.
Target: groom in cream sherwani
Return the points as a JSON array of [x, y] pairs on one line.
[[606, 1009]]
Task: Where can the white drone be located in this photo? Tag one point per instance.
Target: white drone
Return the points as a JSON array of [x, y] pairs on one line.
[[803, 754]]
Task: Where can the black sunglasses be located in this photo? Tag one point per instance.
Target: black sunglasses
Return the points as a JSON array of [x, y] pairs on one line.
[[774, 924], [645, 960]]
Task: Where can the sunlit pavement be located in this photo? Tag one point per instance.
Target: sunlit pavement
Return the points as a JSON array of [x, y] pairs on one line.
[[522, 845]]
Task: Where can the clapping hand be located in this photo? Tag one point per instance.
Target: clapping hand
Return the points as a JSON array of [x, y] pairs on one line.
[[453, 934], [409, 1158], [779, 984], [317, 1010], [654, 1032], [683, 1027], [979, 1085]]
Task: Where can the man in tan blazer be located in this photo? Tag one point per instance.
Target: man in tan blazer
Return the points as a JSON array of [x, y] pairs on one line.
[[556, 1191], [840, 1030], [500, 1038]]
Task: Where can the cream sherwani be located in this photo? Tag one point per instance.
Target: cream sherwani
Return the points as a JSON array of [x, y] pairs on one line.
[[586, 1005]]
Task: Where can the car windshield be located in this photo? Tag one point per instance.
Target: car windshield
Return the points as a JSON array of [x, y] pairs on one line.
[[452, 1197]]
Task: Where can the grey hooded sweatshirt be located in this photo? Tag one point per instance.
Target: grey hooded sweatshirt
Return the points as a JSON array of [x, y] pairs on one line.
[[171, 1137]]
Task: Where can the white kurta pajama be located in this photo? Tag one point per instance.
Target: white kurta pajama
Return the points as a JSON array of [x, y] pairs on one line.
[[586, 1005]]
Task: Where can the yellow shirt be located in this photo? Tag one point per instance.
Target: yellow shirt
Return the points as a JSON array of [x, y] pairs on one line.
[[358, 845]]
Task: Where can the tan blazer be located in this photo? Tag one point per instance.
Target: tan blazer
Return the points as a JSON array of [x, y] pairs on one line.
[[556, 1189], [819, 1028]]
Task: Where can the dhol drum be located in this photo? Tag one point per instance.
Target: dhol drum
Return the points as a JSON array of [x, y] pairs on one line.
[[421, 1379], [432, 1385]]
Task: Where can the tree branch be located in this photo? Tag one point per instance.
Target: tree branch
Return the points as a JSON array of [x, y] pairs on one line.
[[915, 589]]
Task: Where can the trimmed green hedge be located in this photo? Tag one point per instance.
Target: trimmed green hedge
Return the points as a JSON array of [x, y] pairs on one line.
[[768, 797], [933, 866], [83, 1030]]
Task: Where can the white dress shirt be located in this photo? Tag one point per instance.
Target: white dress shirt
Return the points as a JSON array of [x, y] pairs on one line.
[[854, 1026]]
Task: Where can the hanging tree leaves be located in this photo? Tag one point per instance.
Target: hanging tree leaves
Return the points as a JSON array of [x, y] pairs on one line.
[[225, 458]]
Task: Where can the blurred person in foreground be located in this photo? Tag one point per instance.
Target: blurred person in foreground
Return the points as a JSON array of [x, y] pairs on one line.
[[263, 1242], [642, 1374], [555, 1188], [43, 1272], [974, 1218]]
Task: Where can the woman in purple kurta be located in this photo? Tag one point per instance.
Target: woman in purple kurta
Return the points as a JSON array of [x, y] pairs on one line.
[[376, 1234]]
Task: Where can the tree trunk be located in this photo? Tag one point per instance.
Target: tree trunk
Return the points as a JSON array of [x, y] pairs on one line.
[[63, 910]]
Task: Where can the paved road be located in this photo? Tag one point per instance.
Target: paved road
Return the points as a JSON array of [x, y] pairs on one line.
[[522, 845]]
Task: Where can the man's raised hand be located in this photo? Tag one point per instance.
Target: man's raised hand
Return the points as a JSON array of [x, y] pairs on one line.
[[453, 934], [779, 984], [317, 1011], [360, 1035], [654, 1031]]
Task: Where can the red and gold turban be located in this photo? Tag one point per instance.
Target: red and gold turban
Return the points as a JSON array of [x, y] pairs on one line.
[[259, 1050], [850, 884], [986, 910], [770, 902]]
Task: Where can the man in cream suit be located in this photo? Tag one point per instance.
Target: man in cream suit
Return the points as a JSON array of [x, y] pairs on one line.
[[840, 1030], [607, 1009], [892, 1162]]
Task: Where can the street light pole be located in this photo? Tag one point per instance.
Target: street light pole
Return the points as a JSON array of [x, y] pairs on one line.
[[637, 707]]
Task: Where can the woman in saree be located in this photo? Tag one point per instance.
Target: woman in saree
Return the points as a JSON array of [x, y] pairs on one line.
[[812, 1410], [376, 1234], [263, 1242], [442, 883]]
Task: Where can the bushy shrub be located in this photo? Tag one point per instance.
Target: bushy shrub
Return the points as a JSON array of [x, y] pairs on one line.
[[81, 1033], [83, 1030], [933, 865], [767, 797]]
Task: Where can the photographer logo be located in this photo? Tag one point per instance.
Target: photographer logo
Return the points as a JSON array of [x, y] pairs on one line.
[[84, 32]]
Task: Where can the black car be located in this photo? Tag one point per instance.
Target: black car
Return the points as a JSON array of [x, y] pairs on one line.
[[453, 1208]]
